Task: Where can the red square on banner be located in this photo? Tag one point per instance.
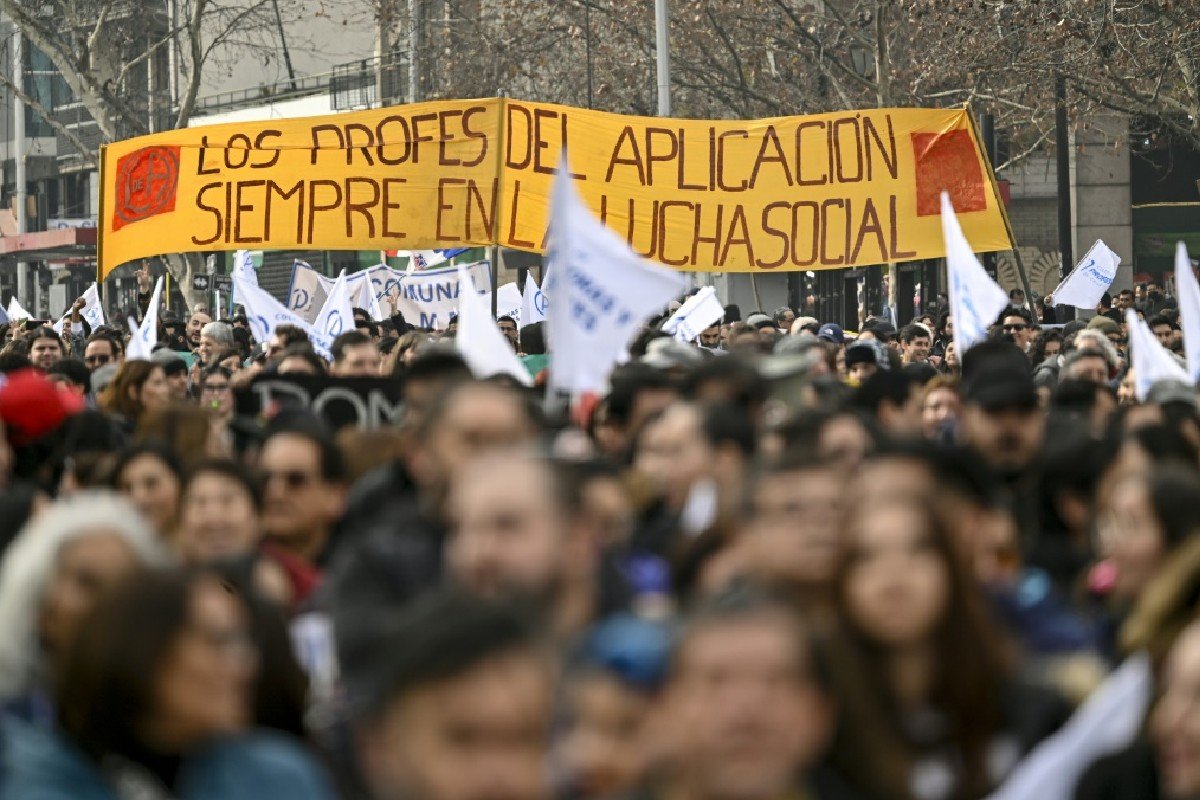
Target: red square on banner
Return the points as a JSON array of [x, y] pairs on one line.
[[948, 162], [147, 180]]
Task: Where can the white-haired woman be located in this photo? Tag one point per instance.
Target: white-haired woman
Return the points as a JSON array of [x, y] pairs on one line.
[[51, 575]]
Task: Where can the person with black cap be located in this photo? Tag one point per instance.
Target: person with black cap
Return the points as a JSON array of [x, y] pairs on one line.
[[1001, 420]]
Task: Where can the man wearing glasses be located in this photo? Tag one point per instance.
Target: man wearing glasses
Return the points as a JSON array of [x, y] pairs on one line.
[[1018, 324], [100, 350], [304, 487]]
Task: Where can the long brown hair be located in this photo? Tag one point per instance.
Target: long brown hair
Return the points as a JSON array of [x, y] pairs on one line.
[[969, 658], [118, 399]]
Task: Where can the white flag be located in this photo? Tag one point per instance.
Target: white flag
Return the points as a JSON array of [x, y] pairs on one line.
[[975, 299], [92, 311], [16, 311], [602, 292], [480, 342], [335, 317], [264, 312], [1090, 279], [533, 303], [701, 310], [508, 302], [1151, 361], [1187, 293], [243, 267], [424, 259], [1108, 721], [145, 336]]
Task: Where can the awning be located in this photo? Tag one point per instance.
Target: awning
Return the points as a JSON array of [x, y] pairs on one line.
[[63, 244]]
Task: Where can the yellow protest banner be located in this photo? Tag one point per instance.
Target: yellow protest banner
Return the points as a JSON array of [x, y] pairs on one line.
[[813, 192]]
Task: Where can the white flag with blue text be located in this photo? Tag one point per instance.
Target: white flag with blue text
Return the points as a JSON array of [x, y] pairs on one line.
[[336, 316], [975, 299], [533, 303], [1187, 294], [603, 292], [92, 311], [1090, 279], [700, 311], [264, 312]]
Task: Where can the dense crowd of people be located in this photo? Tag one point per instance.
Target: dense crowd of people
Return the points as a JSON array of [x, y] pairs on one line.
[[784, 561]]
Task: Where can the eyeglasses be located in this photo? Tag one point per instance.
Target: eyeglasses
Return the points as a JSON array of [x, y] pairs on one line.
[[100, 360], [507, 329], [292, 479], [1017, 326], [215, 388]]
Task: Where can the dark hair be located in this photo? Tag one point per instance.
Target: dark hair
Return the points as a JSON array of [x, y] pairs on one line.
[[968, 661], [133, 374], [627, 382], [13, 360], [242, 341], [506, 318], [733, 313], [305, 353], [437, 363], [280, 683], [217, 369], [352, 338], [884, 385], [1016, 311], [1159, 319], [149, 447], [311, 429], [440, 637], [290, 334], [105, 336], [1039, 347], [45, 332], [743, 386], [727, 425], [231, 470], [105, 687], [1106, 299], [913, 331], [1174, 496], [73, 370], [533, 339]]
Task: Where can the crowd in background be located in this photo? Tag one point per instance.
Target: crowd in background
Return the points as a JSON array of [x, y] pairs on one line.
[[784, 562]]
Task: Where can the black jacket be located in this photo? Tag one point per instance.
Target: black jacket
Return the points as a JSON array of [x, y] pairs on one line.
[[1131, 774]]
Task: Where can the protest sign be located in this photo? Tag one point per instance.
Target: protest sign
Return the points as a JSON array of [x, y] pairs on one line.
[[975, 299], [427, 299], [603, 293], [340, 401], [825, 191], [1188, 294], [1090, 279]]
